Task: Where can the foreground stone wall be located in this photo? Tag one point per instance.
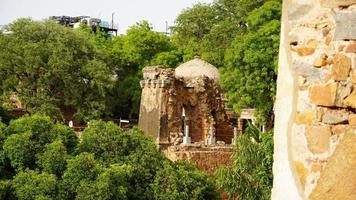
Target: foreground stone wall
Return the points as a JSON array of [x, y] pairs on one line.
[[315, 147]]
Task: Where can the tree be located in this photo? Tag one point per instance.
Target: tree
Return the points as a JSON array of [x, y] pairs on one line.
[[53, 160], [250, 76], [27, 139], [53, 70], [83, 167], [182, 180], [190, 28], [31, 185], [250, 176], [112, 184], [128, 55], [20, 150], [110, 145]]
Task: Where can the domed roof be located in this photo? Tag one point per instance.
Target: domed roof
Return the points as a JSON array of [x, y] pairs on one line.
[[196, 68]]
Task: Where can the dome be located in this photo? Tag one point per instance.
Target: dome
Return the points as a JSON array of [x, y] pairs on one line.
[[196, 68]]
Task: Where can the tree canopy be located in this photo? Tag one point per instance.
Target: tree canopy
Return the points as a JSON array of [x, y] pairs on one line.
[[41, 160]]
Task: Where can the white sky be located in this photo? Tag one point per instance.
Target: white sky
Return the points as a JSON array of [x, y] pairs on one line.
[[127, 12]]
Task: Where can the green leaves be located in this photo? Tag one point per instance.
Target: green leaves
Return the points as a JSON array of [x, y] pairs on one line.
[[31, 185], [52, 69], [250, 76], [183, 181], [250, 176]]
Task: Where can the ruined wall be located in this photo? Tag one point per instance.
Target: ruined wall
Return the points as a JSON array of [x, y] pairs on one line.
[[206, 158], [316, 100], [153, 108], [163, 98]]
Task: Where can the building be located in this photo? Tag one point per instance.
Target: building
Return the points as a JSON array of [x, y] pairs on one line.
[[183, 109]]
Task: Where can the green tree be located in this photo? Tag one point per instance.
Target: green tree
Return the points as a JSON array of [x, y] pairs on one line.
[[250, 77], [111, 184], [191, 26], [27, 139], [128, 55], [53, 70], [112, 145], [182, 180], [250, 176], [31, 185], [20, 150], [83, 167], [53, 160]]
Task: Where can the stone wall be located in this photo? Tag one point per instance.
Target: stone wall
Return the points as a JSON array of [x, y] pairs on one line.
[[316, 101], [207, 158]]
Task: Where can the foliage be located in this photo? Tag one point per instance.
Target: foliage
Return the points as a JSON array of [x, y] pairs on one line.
[[109, 163], [53, 70], [112, 183], [127, 55], [31, 185], [53, 160], [250, 75], [250, 176], [32, 138], [183, 181], [112, 145]]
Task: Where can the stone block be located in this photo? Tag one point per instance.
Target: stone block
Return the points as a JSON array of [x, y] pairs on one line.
[[350, 101], [323, 94], [306, 117], [353, 77], [310, 73], [343, 91], [318, 138], [341, 67], [336, 3], [352, 120], [338, 177], [345, 25], [304, 50], [339, 129], [302, 172], [335, 117], [321, 61], [351, 48]]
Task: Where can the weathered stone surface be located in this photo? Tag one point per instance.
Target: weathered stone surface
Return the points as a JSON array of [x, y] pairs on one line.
[[341, 48], [336, 3], [328, 40], [321, 61], [352, 120], [345, 25], [351, 48], [301, 171], [310, 73], [304, 50], [353, 77], [339, 129], [343, 91], [335, 117], [338, 178], [306, 117], [318, 138], [351, 100], [323, 94], [341, 67]]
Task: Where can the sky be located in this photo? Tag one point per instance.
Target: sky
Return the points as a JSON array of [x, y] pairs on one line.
[[126, 12]]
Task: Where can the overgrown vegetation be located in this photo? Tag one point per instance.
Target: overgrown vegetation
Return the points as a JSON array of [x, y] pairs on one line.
[[250, 176], [43, 160], [66, 73]]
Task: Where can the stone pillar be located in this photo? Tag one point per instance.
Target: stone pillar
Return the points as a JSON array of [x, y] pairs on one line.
[[186, 138]]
